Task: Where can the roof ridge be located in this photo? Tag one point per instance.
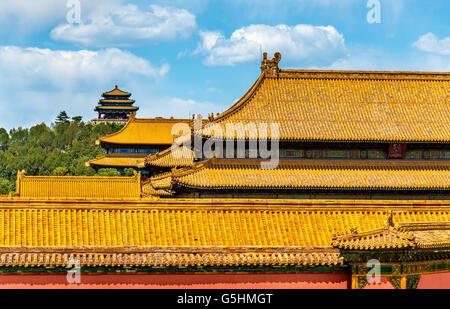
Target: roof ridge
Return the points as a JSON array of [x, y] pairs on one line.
[[242, 101], [123, 93], [130, 119], [403, 74]]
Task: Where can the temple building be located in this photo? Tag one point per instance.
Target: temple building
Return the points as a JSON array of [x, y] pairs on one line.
[[139, 138], [116, 106], [334, 179]]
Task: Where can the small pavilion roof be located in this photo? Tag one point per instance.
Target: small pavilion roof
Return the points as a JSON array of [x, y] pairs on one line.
[[144, 131], [117, 92], [117, 161]]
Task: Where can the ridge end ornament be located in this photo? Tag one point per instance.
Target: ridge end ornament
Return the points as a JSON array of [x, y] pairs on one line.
[[270, 67]]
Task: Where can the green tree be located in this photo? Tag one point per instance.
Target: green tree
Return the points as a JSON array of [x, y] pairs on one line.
[[60, 171], [5, 186], [62, 117], [62, 149], [129, 172], [4, 139], [108, 172], [77, 119]]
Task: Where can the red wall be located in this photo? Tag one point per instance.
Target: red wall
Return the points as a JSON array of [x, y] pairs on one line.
[[435, 281], [206, 281], [384, 284], [182, 281]]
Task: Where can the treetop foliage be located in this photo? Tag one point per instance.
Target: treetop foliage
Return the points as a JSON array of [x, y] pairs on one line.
[[62, 149]]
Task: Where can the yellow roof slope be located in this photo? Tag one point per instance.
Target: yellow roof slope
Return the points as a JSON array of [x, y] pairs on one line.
[[117, 91], [175, 156], [118, 161], [346, 106], [143, 235], [220, 174], [78, 187], [144, 132]]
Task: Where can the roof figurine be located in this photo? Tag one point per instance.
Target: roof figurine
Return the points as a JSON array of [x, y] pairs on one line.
[[270, 67]]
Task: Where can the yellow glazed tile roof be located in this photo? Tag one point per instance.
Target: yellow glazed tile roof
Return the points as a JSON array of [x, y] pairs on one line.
[[408, 235], [157, 186], [117, 91], [78, 187], [175, 156], [346, 106], [116, 101], [161, 181], [144, 132], [162, 260], [114, 235], [116, 107], [149, 191], [221, 174], [118, 161]]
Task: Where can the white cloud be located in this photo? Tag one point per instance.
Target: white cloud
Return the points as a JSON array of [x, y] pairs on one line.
[[126, 25], [430, 43], [362, 57], [37, 83], [300, 44], [29, 67], [30, 16]]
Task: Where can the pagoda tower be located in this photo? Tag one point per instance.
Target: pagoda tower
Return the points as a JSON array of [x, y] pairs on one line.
[[116, 106]]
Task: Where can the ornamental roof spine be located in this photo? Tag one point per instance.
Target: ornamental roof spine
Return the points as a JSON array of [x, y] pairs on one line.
[[346, 106]]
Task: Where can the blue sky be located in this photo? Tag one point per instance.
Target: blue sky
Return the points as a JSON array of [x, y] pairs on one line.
[[181, 57]]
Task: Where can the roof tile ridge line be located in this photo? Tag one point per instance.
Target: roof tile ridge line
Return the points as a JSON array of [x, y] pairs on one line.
[[130, 120], [242, 101], [160, 176], [367, 233], [117, 88], [52, 177], [350, 236], [361, 72], [423, 226]]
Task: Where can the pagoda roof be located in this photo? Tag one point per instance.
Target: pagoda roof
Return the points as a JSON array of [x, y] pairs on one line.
[[142, 131], [117, 92], [219, 174], [129, 108], [421, 235], [321, 105], [108, 101], [207, 233], [117, 161]]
